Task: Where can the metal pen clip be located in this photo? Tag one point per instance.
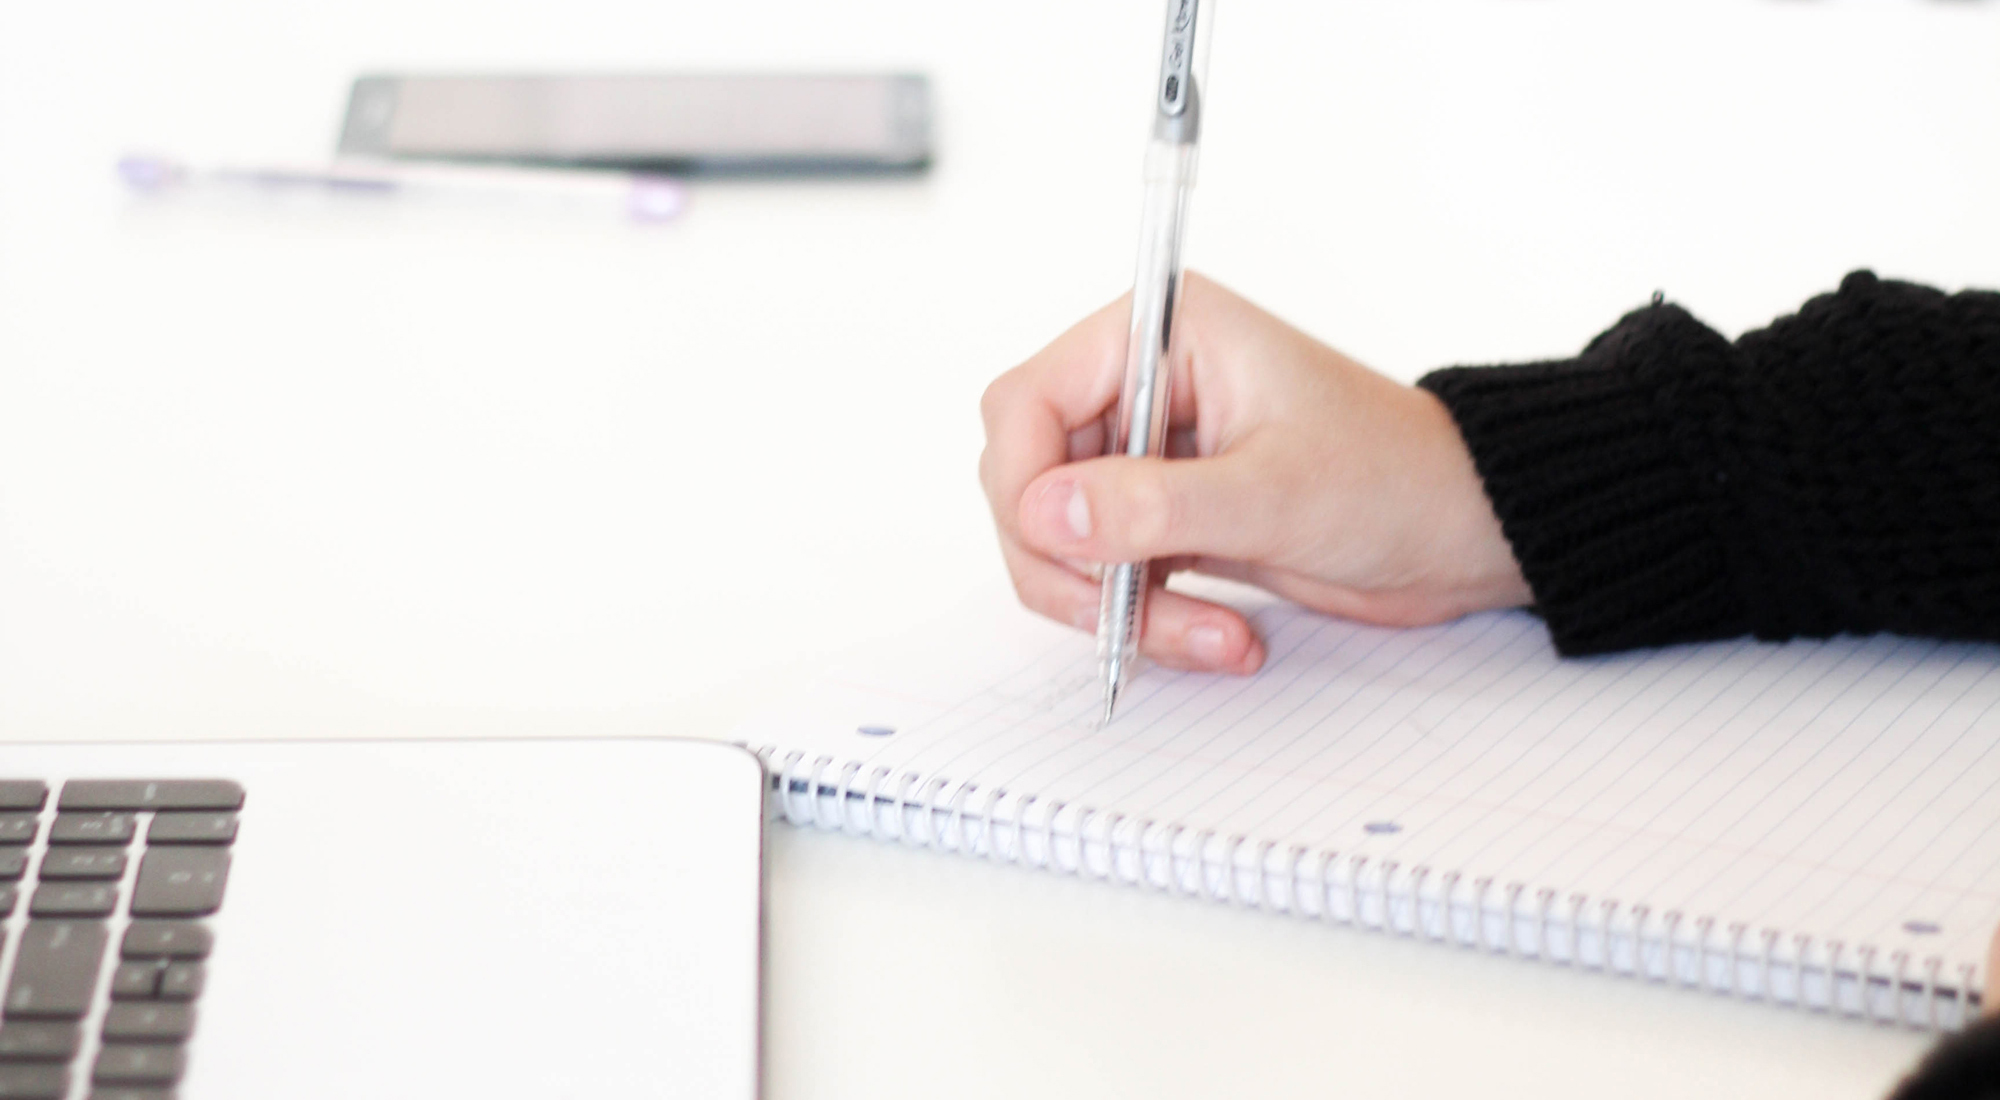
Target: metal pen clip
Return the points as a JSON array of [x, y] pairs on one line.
[[1178, 118]]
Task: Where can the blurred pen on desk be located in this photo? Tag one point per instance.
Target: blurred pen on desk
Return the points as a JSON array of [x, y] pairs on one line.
[[636, 196]]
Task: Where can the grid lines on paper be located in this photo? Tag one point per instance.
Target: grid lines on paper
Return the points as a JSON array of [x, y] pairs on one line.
[[1847, 789]]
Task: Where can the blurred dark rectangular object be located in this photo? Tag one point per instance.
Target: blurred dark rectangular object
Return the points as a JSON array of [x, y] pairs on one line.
[[733, 124]]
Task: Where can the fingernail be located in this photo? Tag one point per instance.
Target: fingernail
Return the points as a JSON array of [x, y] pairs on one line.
[[1064, 509], [1077, 511], [1092, 569], [1208, 645]]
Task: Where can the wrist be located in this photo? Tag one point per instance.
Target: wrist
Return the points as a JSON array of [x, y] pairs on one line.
[[1474, 565]]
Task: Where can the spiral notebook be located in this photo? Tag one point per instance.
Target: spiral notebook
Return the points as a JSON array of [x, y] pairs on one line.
[[1815, 824]]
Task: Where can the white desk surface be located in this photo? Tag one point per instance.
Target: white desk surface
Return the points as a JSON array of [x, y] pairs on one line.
[[322, 469]]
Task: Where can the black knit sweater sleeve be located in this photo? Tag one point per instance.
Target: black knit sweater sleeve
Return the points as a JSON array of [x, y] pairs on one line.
[[1965, 1066], [1836, 472]]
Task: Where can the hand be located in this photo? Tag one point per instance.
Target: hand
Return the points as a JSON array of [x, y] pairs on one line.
[[1992, 999], [1294, 468]]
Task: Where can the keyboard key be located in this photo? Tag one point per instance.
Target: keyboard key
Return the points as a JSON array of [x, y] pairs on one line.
[[166, 939], [136, 981], [131, 1092], [62, 899], [23, 794], [33, 1082], [151, 794], [55, 969], [138, 1064], [31, 1041], [180, 882], [93, 829], [182, 981], [7, 894], [13, 864], [149, 1023], [192, 828], [83, 863], [19, 829]]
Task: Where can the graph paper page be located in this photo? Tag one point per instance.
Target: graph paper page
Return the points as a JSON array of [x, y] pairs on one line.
[[1848, 789]]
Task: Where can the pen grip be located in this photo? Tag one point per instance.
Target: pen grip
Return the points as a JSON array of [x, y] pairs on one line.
[[1120, 618]]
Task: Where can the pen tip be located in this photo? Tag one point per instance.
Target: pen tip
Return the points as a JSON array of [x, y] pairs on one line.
[[1110, 701]]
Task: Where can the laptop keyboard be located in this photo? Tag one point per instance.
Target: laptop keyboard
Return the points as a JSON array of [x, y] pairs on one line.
[[102, 888]]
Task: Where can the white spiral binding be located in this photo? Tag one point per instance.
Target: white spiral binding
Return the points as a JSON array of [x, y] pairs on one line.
[[1357, 890]]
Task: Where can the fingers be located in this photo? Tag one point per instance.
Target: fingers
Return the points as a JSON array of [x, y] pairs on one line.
[[1180, 631], [1049, 413], [1050, 409], [1138, 509]]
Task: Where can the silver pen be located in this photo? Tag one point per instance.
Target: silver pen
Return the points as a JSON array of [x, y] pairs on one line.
[[1141, 428]]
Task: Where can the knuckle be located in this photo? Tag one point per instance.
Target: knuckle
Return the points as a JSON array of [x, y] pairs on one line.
[[1025, 585], [994, 400], [1024, 590], [1051, 591], [1041, 598]]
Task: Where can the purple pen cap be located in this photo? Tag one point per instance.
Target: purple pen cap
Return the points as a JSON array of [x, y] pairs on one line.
[[150, 174], [656, 199]]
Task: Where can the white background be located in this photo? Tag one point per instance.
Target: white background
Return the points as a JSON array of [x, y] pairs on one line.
[[312, 468]]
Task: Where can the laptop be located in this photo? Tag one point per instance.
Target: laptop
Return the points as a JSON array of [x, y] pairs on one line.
[[492, 919]]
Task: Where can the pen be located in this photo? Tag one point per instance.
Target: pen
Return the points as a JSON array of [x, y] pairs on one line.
[[638, 197], [1141, 427]]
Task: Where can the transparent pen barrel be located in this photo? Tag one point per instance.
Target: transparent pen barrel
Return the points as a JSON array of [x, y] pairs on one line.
[[1143, 402], [1150, 352]]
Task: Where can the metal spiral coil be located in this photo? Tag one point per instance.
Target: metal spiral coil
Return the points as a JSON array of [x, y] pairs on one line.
[[1513, 918]]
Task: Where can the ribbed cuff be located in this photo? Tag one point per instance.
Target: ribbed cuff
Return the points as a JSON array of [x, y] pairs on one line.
[[1598, 488]]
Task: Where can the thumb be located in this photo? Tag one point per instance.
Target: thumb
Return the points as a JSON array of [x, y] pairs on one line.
[[1135, 509]]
